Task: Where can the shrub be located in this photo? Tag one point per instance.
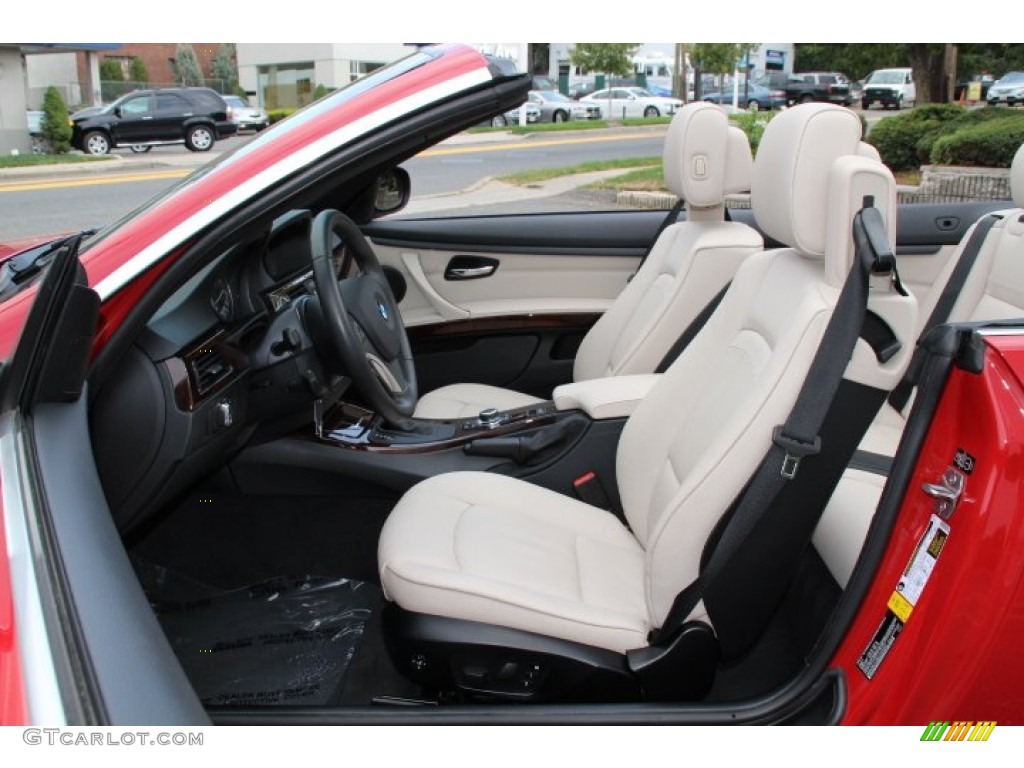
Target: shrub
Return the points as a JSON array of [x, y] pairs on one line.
[[139, 74], [991, 143], [56, 125], [278, 114], [898, 138], [752, 124]]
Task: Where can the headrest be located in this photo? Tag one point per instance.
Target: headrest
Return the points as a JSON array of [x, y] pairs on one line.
[[705, 158], [850, 180], [791, 173], [1017, 178]]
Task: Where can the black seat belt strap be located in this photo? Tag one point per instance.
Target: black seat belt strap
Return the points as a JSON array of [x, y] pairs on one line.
[[943, 307], [669, 220], [799, 436]]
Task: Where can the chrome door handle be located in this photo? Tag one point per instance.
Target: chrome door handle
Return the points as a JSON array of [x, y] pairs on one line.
[[468, 273]]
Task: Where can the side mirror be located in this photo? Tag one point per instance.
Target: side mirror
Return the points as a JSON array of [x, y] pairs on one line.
[[117, 111], [393, 189]]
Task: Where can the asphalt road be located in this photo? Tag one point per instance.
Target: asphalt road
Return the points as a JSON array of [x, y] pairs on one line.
[[70, 202]]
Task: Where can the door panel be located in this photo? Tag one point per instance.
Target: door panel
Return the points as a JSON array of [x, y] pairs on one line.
[[521, 284], [568, 266]]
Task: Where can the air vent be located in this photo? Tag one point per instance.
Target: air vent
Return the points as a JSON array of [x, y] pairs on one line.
[[209, 368]]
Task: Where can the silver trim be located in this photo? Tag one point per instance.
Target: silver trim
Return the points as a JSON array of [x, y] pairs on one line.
[[42, 692]]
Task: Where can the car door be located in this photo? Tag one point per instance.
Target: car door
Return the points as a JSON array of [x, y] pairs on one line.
[[170, 114], [84, 633], [134, 120], [507, 299]]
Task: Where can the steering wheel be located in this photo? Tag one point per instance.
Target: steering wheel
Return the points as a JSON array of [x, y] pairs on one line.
[[362, 319]]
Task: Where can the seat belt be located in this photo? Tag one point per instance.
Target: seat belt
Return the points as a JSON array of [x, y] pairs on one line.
[[669, 219], [943, 307], [799, 437]]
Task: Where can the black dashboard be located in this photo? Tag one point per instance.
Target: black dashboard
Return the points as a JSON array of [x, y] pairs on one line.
[[226, 357]]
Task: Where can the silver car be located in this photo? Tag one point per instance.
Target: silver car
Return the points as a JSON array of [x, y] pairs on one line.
[[246, 116], [558, 108], [1009, 90]]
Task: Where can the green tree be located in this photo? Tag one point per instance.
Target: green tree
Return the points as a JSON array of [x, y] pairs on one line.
[[716, 59], [225, 67], [112, 85], [186, 65], [56, 125], [606, 58], [139, 74]]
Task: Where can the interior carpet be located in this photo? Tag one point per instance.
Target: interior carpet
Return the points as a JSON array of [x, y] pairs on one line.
[[280, 642]]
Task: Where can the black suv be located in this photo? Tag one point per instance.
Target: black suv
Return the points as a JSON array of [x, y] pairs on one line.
[[196, 117]]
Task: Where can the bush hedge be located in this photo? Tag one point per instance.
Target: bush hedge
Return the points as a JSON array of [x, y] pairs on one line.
[[991, 143], [56, 125], [276, 115], [897, 138], [910, 139]]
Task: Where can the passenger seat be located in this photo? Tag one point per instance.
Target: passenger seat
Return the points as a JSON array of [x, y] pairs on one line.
[[993, 290], [692, 261]]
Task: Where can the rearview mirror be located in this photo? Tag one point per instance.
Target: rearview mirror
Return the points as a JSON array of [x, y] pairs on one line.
[[393, 188]]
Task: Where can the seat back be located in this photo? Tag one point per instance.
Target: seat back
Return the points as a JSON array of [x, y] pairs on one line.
[[691, 445], [705, 159], [993, 290]]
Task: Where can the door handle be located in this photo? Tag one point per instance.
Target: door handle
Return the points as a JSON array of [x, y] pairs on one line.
[[470, 268], [147, 117], [468, 273]]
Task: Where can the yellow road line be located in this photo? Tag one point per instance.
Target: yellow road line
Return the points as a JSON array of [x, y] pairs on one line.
[[464, 150], [88, 181]]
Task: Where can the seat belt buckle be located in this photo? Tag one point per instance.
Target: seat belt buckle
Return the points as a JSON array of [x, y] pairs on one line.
[[795, 450], [590, 490]]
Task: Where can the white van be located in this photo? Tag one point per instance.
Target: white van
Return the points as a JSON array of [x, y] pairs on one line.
[[892, 87]]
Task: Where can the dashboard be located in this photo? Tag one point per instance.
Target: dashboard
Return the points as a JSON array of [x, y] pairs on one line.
[[228, 355]]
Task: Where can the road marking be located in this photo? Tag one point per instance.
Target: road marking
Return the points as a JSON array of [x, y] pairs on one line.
[[464, 150], [121, 178]]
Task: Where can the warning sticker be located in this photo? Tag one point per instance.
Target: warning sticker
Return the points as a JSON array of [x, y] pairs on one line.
[[880, 645], [907, 593], [920, 567]]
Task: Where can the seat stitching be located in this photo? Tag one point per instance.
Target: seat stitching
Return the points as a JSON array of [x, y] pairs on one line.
[[455, 533]]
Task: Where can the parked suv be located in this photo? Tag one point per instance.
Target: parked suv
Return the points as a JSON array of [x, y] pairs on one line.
[[833, 87], [196, 117]]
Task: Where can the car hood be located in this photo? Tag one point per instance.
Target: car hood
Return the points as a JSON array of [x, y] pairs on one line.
[[13, 248]]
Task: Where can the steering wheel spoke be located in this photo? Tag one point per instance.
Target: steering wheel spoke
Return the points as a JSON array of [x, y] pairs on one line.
[[362, 320]]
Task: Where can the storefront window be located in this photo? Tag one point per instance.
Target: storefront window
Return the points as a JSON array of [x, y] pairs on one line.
[[286, 86]]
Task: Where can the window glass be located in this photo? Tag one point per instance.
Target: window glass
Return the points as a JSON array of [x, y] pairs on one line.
[[136, 106]]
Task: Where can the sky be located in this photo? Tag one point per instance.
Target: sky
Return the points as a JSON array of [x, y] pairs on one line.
[[527, 20]]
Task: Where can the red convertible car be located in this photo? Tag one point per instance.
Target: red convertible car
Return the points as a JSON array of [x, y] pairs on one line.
[[271, 453]]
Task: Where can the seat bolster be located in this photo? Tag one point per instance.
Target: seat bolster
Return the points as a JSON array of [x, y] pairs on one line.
[[1017, 178], [459, 401], [493, 549]]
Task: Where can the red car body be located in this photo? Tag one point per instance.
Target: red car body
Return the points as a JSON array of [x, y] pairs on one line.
[[957, 658]]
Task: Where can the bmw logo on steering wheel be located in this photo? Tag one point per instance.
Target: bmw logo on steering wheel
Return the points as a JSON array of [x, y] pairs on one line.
[[383, 310]]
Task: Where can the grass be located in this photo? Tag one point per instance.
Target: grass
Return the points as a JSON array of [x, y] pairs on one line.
[[641, 180], [543, 174], [912, 177], [574, 125], [23, 161]]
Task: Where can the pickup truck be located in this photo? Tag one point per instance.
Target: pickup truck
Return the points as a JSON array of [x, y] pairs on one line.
[[833, 87]]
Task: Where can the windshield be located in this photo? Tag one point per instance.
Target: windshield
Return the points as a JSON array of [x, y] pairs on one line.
[[888, 77], [236, 101], [553, 96], [1012, 77], [640, 91]]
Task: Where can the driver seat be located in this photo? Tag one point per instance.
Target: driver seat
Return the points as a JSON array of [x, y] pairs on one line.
[[705, 159], [500, 587]]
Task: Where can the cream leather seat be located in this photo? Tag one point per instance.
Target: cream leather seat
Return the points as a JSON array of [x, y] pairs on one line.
[[704, 160], [481, 547], [993, 290]]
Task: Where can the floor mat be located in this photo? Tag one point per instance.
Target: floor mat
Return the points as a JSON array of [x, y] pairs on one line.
[[278, 642]]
